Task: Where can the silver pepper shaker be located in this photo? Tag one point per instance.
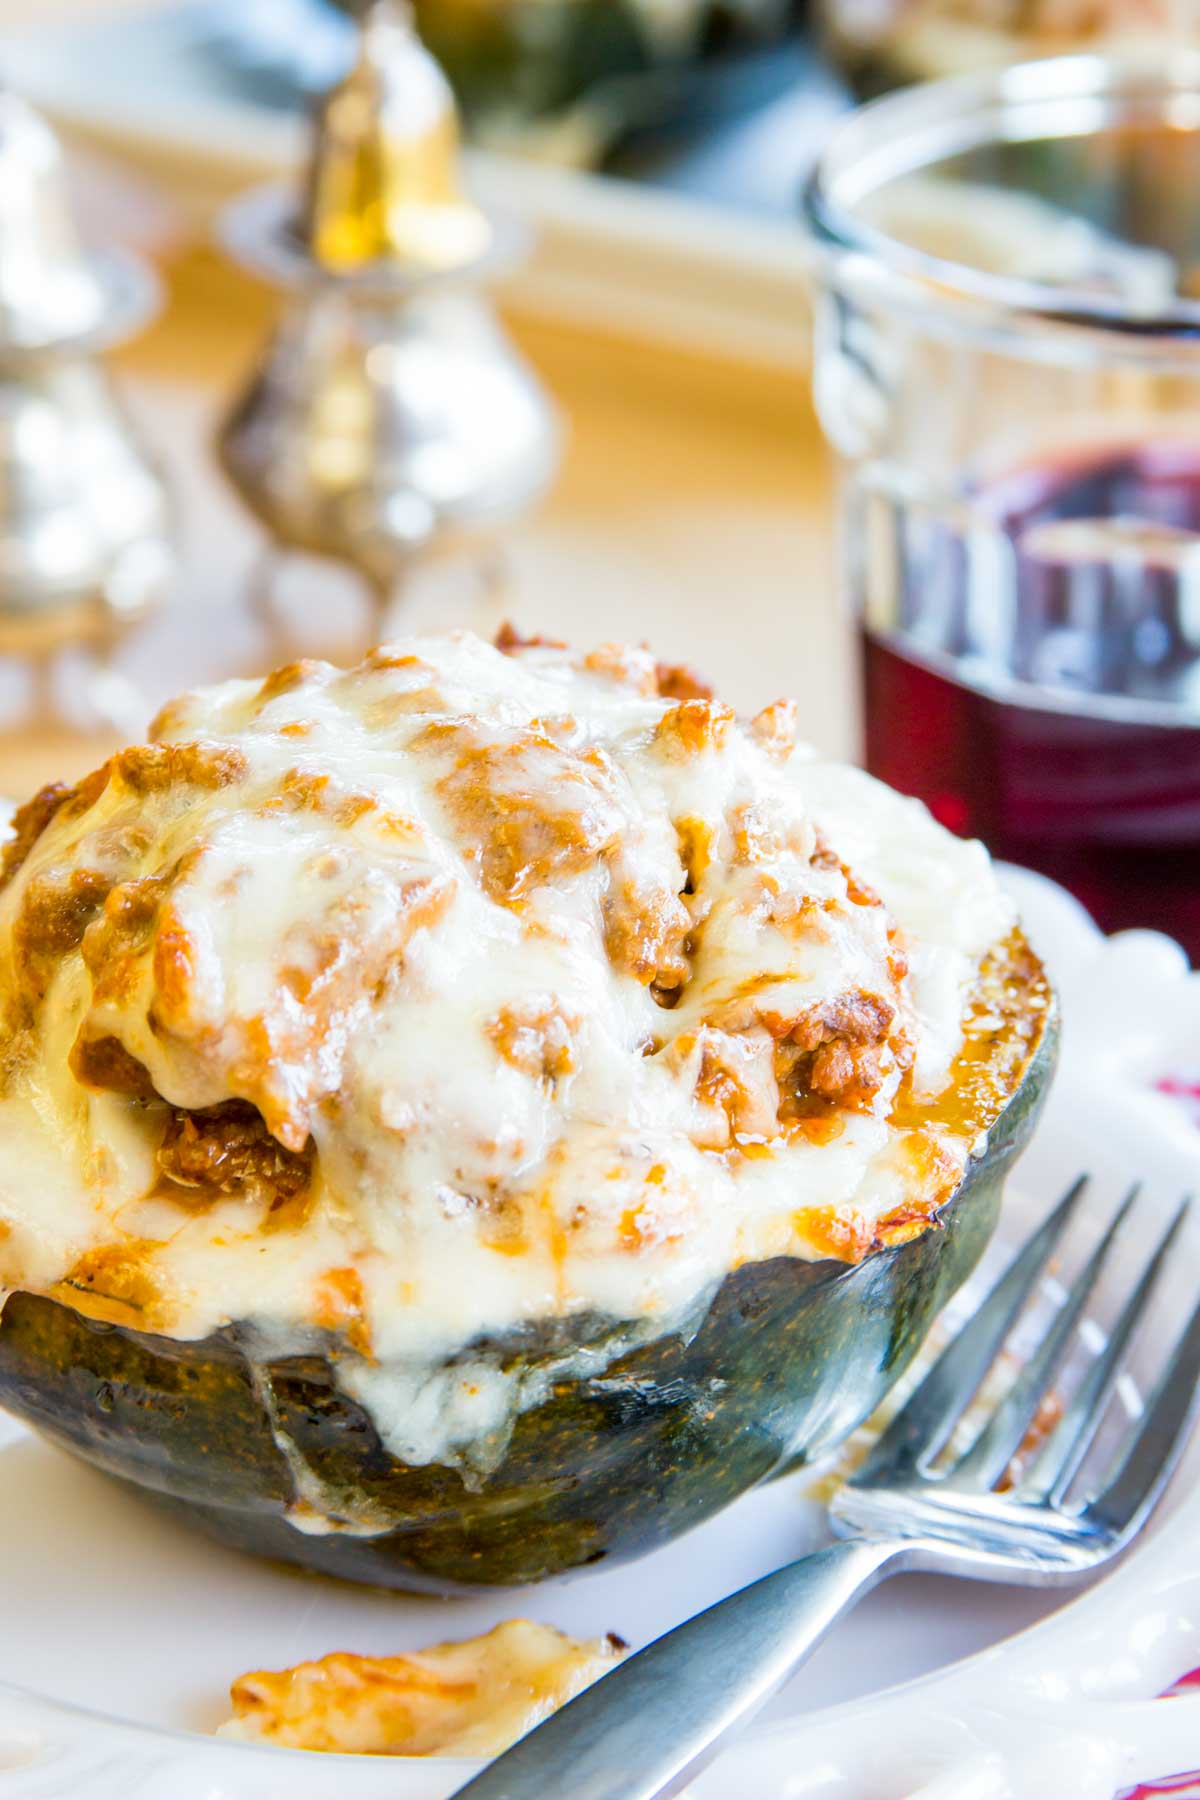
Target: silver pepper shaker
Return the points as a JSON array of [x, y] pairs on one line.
[[85, 532], [390, 416]]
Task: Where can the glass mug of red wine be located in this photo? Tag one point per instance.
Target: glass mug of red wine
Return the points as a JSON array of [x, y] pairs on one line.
[[1007, 362]]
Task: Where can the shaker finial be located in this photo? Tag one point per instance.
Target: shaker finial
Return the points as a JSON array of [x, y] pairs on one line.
[[383, 183]]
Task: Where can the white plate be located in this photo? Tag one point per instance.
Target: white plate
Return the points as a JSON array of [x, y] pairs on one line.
[[116, 1613]]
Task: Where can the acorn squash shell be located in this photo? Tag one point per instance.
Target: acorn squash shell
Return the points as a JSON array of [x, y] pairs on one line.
[[790, 1357]]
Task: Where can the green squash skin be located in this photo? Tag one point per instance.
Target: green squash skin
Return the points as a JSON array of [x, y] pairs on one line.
[[789, 1359]]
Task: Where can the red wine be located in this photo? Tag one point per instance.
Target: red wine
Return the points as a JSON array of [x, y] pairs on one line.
[[1078, 754]]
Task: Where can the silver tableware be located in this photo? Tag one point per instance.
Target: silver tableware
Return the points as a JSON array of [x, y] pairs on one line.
[[54, 295], [85, 538], [85, 529], [642, 1732], [389, 416]]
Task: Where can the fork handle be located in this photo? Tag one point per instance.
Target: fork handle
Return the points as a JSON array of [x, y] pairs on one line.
[[645, 1729]]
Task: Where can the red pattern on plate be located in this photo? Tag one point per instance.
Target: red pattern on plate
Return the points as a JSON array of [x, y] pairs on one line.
[[1182, 1787], [1185, 1091]]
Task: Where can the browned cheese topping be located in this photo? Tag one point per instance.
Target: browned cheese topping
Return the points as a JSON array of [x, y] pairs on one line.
[[414, 1001], [473, 1698]]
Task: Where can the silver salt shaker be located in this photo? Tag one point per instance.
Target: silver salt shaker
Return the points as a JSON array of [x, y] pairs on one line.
[[86, 545], [389, 417]]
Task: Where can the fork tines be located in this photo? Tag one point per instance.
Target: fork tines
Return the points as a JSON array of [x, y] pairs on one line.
[[911, 1445]]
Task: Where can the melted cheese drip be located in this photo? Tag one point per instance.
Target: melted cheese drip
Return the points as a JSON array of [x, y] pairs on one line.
[[473, 1698], [428, 916]]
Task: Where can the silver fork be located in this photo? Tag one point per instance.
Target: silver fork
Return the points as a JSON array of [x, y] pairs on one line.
[[647, 1728]]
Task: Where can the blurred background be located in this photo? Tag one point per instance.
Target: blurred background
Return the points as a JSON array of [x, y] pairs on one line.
[[558, 373], [668, 328]]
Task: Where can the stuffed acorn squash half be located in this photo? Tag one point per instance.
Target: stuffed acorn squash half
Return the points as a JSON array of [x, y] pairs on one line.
[[478, 1113]]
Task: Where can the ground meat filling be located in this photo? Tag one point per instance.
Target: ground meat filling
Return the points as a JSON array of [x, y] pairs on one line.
[[449, 958], [61, 903], [227, 1149], [677, 682], [56, 910], [857, 892], [509, 640], [840, 1051], [537, 1038], [29, 822], [672, 681], [106, 1065]]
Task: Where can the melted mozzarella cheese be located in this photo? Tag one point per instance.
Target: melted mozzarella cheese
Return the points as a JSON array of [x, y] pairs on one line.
[[472, 1698], [538, 968]]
